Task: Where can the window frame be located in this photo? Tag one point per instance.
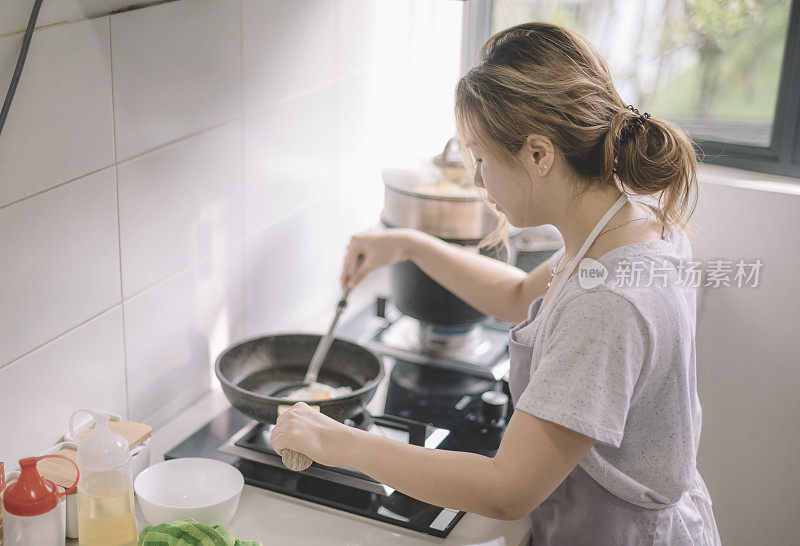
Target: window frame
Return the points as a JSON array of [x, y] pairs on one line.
[[781, 157]]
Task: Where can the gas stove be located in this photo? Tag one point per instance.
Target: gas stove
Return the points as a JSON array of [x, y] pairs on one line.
[[479, 349], [430, 397]]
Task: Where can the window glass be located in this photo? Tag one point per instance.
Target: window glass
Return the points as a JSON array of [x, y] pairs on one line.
[[713, 66]]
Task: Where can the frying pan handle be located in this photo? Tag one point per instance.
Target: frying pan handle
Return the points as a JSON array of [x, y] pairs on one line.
[[294, 460]]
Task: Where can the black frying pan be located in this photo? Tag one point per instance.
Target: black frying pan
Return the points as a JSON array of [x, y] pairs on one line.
[[256, 373]]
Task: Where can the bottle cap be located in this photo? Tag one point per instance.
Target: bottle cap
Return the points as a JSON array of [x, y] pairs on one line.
[[103, 449], [30, 494]]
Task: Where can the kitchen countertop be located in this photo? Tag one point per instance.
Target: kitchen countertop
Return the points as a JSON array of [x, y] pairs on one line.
[[279, 519]]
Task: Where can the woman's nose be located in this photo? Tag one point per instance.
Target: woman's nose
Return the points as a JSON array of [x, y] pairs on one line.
[[478, 179]]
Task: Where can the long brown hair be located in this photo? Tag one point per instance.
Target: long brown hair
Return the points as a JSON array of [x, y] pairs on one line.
[[539, 78]]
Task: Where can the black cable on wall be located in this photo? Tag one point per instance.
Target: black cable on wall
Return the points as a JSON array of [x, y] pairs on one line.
[[26, 42]]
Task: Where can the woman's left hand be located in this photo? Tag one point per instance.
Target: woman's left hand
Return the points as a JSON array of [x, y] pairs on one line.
[[307, 431]]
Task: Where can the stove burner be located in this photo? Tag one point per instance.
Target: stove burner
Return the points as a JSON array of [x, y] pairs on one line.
[[446, 340], [427, 381], [474, 348]]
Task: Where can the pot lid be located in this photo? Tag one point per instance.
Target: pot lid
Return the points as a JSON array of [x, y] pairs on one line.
[[423, 178]]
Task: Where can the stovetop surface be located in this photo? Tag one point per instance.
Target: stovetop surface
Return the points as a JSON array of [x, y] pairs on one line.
[[441, 397]]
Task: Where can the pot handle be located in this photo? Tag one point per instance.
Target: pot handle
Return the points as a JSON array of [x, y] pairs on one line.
[[294, 460]]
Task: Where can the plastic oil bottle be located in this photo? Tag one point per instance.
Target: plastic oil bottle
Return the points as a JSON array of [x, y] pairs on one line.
[[105, 490]]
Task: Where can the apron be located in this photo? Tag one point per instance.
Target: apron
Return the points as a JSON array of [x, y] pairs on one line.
[[580, 510]]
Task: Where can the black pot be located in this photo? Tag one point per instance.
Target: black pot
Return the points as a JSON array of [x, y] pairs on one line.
[[417, 295], [251, 372]]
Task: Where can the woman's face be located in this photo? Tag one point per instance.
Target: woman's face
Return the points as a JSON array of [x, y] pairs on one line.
[[511, 189]]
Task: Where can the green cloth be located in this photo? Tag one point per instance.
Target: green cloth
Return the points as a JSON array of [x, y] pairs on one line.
[[189, 532]]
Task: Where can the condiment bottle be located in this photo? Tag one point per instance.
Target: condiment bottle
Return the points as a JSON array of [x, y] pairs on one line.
[[2, 486], [2, 477], [105, 490], [30, 508]]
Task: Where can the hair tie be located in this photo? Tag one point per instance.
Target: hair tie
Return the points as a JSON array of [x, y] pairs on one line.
[[629, 130]]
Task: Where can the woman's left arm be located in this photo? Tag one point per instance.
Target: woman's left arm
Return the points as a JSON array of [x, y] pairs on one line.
[[533, 459]]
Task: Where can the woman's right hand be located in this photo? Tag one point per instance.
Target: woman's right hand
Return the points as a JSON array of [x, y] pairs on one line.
[[378, 248]]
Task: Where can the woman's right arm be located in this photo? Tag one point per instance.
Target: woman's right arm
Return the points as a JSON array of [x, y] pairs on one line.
[[489, 285]]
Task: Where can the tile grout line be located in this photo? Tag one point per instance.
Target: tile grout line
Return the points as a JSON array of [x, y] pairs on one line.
[[57, 186], [119, 223], [121, 303], [116, 163], [183, 269], [299, 95], [62, 334], [168, 278]]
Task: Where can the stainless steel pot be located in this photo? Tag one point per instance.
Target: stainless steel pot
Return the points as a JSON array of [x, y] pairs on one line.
[[419, 196], [437, 197]]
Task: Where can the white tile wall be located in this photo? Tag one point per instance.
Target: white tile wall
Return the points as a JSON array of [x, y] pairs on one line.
[[60, 123], [142, 207], [82, 369], [288, 157], [176, 71], [180, 204], [60, 262], [292, 271], [288, 49], [357, 36], [175, 330]]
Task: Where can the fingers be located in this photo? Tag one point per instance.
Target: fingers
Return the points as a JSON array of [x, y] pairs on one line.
[[359, 275], [345, 269], [283, 427], [353, 261], [278, 440], [288, 425], [349, 259]]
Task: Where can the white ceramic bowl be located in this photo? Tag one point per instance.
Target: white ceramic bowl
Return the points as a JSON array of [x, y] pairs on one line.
[[204, 489]]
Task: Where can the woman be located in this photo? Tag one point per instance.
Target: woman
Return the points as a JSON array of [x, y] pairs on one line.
[[601, 448]]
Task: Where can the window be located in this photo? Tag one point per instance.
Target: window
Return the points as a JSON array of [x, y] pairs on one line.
[[728, 71]]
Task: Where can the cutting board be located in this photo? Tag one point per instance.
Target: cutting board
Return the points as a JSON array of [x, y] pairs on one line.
[[63, 474]]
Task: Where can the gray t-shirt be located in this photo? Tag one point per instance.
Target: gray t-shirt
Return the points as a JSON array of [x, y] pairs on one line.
[[619, 366]]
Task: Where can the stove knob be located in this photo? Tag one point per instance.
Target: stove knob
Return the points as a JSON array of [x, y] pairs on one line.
[[380, 307], [493, 408]]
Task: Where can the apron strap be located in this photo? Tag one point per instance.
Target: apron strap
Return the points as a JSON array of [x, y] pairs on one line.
[[702, 501], [578, 257]]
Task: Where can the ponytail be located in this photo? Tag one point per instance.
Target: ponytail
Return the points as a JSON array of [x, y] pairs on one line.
[[651, 156]]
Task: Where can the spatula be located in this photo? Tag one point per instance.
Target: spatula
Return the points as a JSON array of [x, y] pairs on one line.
[[294, 460], [325, 342]]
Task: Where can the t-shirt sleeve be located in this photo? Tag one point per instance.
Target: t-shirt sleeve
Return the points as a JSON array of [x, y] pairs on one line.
[[593, 355]]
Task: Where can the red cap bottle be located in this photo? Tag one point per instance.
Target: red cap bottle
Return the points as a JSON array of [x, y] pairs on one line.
[[30, 494], [30, 514]]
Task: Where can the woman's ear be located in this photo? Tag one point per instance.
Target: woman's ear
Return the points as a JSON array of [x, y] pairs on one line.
[[539, 153]]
